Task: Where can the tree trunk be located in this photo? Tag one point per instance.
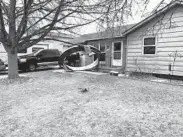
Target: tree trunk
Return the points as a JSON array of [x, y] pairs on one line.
[[12, 65]]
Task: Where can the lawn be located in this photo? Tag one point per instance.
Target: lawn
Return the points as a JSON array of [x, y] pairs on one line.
[[49, 104]]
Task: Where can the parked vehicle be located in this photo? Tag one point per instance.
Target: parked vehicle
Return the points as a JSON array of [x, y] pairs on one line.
[[30, 62], [2, 65]]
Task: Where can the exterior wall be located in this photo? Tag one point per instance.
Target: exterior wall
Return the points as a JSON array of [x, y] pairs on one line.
[[108, 43], [3, 54], [169, 38]]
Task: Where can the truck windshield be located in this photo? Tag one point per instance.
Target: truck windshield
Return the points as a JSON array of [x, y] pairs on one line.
[[36, 52]]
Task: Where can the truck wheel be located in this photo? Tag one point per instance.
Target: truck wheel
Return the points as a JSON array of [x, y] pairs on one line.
[[32, 67]]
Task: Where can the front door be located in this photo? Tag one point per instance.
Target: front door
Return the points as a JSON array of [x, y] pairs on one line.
[[117, 52]]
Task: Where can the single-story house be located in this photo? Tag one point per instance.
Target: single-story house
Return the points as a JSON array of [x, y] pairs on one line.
[[54, 42], [111, 43], [154, 45]]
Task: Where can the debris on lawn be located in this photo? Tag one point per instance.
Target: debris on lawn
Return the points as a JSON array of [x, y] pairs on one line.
[[83, 90], [72, 54]]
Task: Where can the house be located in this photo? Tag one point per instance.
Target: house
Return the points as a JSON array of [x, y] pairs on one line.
[[149, 46], [54, 42], [153, 43], [111, 43]]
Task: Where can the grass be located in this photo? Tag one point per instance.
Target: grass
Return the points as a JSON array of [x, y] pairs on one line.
[[50, 104]]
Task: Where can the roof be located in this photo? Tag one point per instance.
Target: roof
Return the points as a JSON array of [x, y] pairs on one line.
[[108, 33], [154, 15], [60, 35], [122, 31]]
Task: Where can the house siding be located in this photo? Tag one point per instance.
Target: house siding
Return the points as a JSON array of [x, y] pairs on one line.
[[168, 40], [3, 54]]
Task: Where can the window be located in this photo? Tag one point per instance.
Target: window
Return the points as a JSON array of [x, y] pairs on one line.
[[150, 45], [54, 52], [22, 51], [44, 53], [34, 49], [102, 49], [117, 51]]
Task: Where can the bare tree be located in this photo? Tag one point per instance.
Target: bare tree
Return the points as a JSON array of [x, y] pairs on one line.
[[24, 23]]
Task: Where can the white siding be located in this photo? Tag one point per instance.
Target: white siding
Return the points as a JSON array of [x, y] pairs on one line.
[[168, 41], [3, 54]]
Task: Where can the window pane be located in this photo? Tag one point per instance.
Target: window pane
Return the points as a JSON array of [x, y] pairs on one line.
[[102, 57], [50, 53], [117, 46], [43, 53], [34, 49], [149, 41], [97, 46], [102, 47], [117, 55], [53, 52], [22, 51], [95, 56], [149, 50]]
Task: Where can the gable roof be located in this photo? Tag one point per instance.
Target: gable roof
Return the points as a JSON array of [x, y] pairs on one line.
[[108, 33], [60, 35], [122, 31], [154, 15]]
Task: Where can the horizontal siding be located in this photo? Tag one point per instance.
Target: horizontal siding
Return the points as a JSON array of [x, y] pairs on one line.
[[156, 58], [159, 63], [168, 41], [3, 56], [2, 49], [159, 71], [170, 49], [168, 44]]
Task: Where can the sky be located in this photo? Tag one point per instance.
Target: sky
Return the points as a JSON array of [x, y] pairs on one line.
[[138, 16]]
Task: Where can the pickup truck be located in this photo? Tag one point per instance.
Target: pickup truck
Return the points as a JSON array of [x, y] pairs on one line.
[[31, 61]]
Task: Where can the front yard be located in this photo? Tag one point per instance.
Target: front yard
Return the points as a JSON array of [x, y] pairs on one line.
[[50, 104]]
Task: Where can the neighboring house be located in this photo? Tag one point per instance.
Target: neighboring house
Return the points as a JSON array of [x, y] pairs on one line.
[[54, 42], [148, 46]]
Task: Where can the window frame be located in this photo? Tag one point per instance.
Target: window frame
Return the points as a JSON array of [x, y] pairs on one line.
[[37, 49], [118, 50], [99, 47], [149, 46], [103, 52], [22, 51]]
